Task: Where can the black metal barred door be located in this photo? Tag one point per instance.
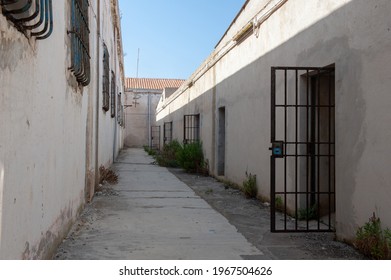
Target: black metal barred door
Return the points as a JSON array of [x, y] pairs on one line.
[[155, 137], [167, 133], [302, 163]]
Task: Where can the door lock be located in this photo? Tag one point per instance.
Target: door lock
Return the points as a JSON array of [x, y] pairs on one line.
[[277, 149]]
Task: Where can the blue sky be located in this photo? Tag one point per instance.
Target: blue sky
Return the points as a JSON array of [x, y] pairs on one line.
[[174, 36]]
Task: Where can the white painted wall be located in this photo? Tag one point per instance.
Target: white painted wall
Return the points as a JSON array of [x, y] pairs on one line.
[[355, 35], [47, 139]]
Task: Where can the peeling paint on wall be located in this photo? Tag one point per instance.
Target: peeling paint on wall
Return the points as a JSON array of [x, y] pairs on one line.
[[43, 136], [12, 51], [49, 240]]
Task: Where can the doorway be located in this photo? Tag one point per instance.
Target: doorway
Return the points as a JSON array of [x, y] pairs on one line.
[[221, 143], [302, 163]]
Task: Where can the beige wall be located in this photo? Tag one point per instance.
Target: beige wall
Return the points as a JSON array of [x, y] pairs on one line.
[[353, 35], [48, 133], [140, 116]]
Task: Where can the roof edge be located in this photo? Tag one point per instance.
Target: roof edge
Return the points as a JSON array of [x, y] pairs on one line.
[[233, 21]]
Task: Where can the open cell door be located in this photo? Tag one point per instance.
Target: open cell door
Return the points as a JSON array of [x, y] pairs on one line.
[[302, 163]]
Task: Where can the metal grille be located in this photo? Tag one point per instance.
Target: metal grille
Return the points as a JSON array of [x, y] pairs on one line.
[[106, 79], [155, 137], [80, 58], [167, 133], [303, 149], [28, 15], [191, 128], [119, 106], [113, 94]]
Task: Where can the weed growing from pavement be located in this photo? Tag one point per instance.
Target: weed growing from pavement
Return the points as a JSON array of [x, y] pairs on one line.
[[373, 241], [250, 185], [279, 203], [107, 175], [150, 151], [308, 213], [189, 156], [209, 191], [168, 157]]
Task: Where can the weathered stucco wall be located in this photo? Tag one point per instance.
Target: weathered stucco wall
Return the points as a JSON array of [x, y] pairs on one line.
[[138, 123], [352, 35], [48, 134]]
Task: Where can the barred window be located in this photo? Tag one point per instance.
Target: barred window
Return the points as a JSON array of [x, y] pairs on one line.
[[113, 87], [80, 58], [119, 106], [33, 18], [106, 79], [191, 128]]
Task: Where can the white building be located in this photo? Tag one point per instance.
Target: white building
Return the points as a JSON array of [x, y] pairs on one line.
[[311, 80], [141, 98], [60, 97]]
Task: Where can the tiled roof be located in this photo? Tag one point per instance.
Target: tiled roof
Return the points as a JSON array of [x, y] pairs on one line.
[[148, 83]]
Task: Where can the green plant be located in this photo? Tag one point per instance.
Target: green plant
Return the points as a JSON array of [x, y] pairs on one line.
[[250, 185], [279, 203], [372, 241], [209, 191], [308, 213], [228, 184], [169, 155], [150, 151], [191, 157]]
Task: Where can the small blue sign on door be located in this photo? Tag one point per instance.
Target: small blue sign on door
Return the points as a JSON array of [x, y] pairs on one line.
[[278, 149]]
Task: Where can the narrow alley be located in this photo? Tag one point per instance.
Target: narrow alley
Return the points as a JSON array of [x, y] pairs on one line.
[[153, 216], [156, 213]]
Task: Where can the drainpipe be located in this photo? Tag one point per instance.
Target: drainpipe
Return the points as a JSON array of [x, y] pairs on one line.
[[115, 139], [115, 94], [149, 120], [97, 97]]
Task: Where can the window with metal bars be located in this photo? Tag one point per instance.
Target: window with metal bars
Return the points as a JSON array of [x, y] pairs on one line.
[[80, 57], [122, 118], [119, 105], [106, 79], [113, 95], [191, 128], [32, 18], [167, 132]]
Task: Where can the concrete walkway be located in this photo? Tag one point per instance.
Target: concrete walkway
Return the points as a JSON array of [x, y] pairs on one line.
[[151, 214]]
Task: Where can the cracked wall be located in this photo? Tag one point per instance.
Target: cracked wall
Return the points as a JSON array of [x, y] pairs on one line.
[[48, 128]]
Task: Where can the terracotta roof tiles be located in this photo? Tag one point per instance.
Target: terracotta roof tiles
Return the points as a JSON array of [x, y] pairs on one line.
[[149, 83]]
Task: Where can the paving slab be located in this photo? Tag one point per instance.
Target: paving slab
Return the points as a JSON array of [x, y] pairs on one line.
[[252, 219], [151, 214]]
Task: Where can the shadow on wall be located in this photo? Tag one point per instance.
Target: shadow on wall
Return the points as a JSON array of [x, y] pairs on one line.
[[246, 93], [1, 203], [245, 97]]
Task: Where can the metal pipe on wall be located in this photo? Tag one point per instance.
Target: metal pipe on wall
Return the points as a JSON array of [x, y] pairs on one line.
[[149, 120], [97, 97], [115, 95]]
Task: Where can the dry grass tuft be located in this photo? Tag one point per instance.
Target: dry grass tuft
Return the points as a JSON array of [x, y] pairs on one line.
[[107, 175]]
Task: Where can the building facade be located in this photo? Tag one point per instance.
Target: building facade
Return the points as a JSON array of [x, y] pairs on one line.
[[61, 85], [141, 98], [297, 93]]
